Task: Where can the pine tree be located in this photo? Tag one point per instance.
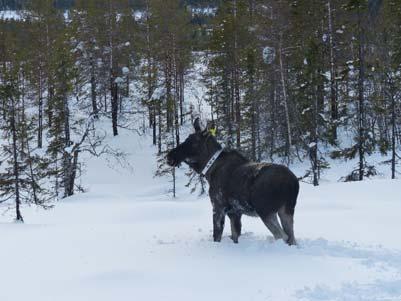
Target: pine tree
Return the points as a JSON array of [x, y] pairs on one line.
[[168, 24], [46, 25], [389, 65], [22, 175], [11, 182]]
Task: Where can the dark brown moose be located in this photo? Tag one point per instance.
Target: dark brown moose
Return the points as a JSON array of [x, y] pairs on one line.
[[238, 186]]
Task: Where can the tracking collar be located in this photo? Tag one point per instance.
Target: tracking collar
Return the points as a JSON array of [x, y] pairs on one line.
[[210, 163]]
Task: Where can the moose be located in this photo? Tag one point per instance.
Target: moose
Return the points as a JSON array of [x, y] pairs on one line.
[[238, 186]]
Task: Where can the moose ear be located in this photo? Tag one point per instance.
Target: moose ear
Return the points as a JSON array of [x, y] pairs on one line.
[[197, 126]]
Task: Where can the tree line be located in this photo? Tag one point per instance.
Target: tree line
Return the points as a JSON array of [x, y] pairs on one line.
[[69, 4], [295, 80], [291, 79], [64, 72]]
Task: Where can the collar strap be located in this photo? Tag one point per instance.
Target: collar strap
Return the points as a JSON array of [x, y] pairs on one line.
[[211, 161]]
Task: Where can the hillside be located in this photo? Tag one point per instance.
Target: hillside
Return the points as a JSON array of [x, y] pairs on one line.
[[127, 238]]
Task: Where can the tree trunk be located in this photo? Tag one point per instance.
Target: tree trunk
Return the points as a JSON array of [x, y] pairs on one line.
[[237, 108], [113, 75], [227, 107], [251, 98], [273, 97], [315, 135], [50, 98], [114, 105], [93, 88], [15, 162], [149, 80], [70, 166], [159, 136], [333, 85], [154, 134], [393, 135], [361, 113], [181, 95], [285, 98], [33, 182], [169, 100], [67, 135], [236, 89], [40, 113], [176, 106]]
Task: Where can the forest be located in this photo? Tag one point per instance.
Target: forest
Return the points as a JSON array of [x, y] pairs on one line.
[[286, 80]]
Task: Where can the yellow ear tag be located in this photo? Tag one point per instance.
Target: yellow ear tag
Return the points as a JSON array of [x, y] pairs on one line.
[[212, 131]]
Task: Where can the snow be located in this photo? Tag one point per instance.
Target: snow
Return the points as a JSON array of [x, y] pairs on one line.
[[128, 239], [306, 109], [206, 11], [80, 47], [159, 92], [69, 149], [119, 80], [10, 15], [327, 75], [139, 15], [323, 117], [269, 54], [21, 15], [196, 90]]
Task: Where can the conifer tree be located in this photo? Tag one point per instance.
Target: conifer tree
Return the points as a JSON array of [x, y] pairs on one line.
[[169, 27], [22, 171]]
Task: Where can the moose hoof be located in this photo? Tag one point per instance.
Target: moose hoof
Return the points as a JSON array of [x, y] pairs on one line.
[[234, 239], [217, 239], [291, 242]]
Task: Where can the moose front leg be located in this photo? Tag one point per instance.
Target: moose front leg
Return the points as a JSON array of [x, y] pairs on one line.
[[235, 220], [218, 223]]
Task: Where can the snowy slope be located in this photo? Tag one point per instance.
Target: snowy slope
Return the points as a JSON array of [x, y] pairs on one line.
[[127, 239]]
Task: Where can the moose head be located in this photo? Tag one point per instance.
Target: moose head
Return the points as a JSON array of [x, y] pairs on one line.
[[196, 150]]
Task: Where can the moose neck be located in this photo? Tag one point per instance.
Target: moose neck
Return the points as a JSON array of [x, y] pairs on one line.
[[225, 164]]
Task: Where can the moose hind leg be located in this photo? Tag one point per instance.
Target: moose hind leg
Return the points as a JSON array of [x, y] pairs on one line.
[[235, 220], [287, 220], [273, 225]]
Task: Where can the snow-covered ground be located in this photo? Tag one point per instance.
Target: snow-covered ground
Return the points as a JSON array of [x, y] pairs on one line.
[[10, 15], [128, 239]]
